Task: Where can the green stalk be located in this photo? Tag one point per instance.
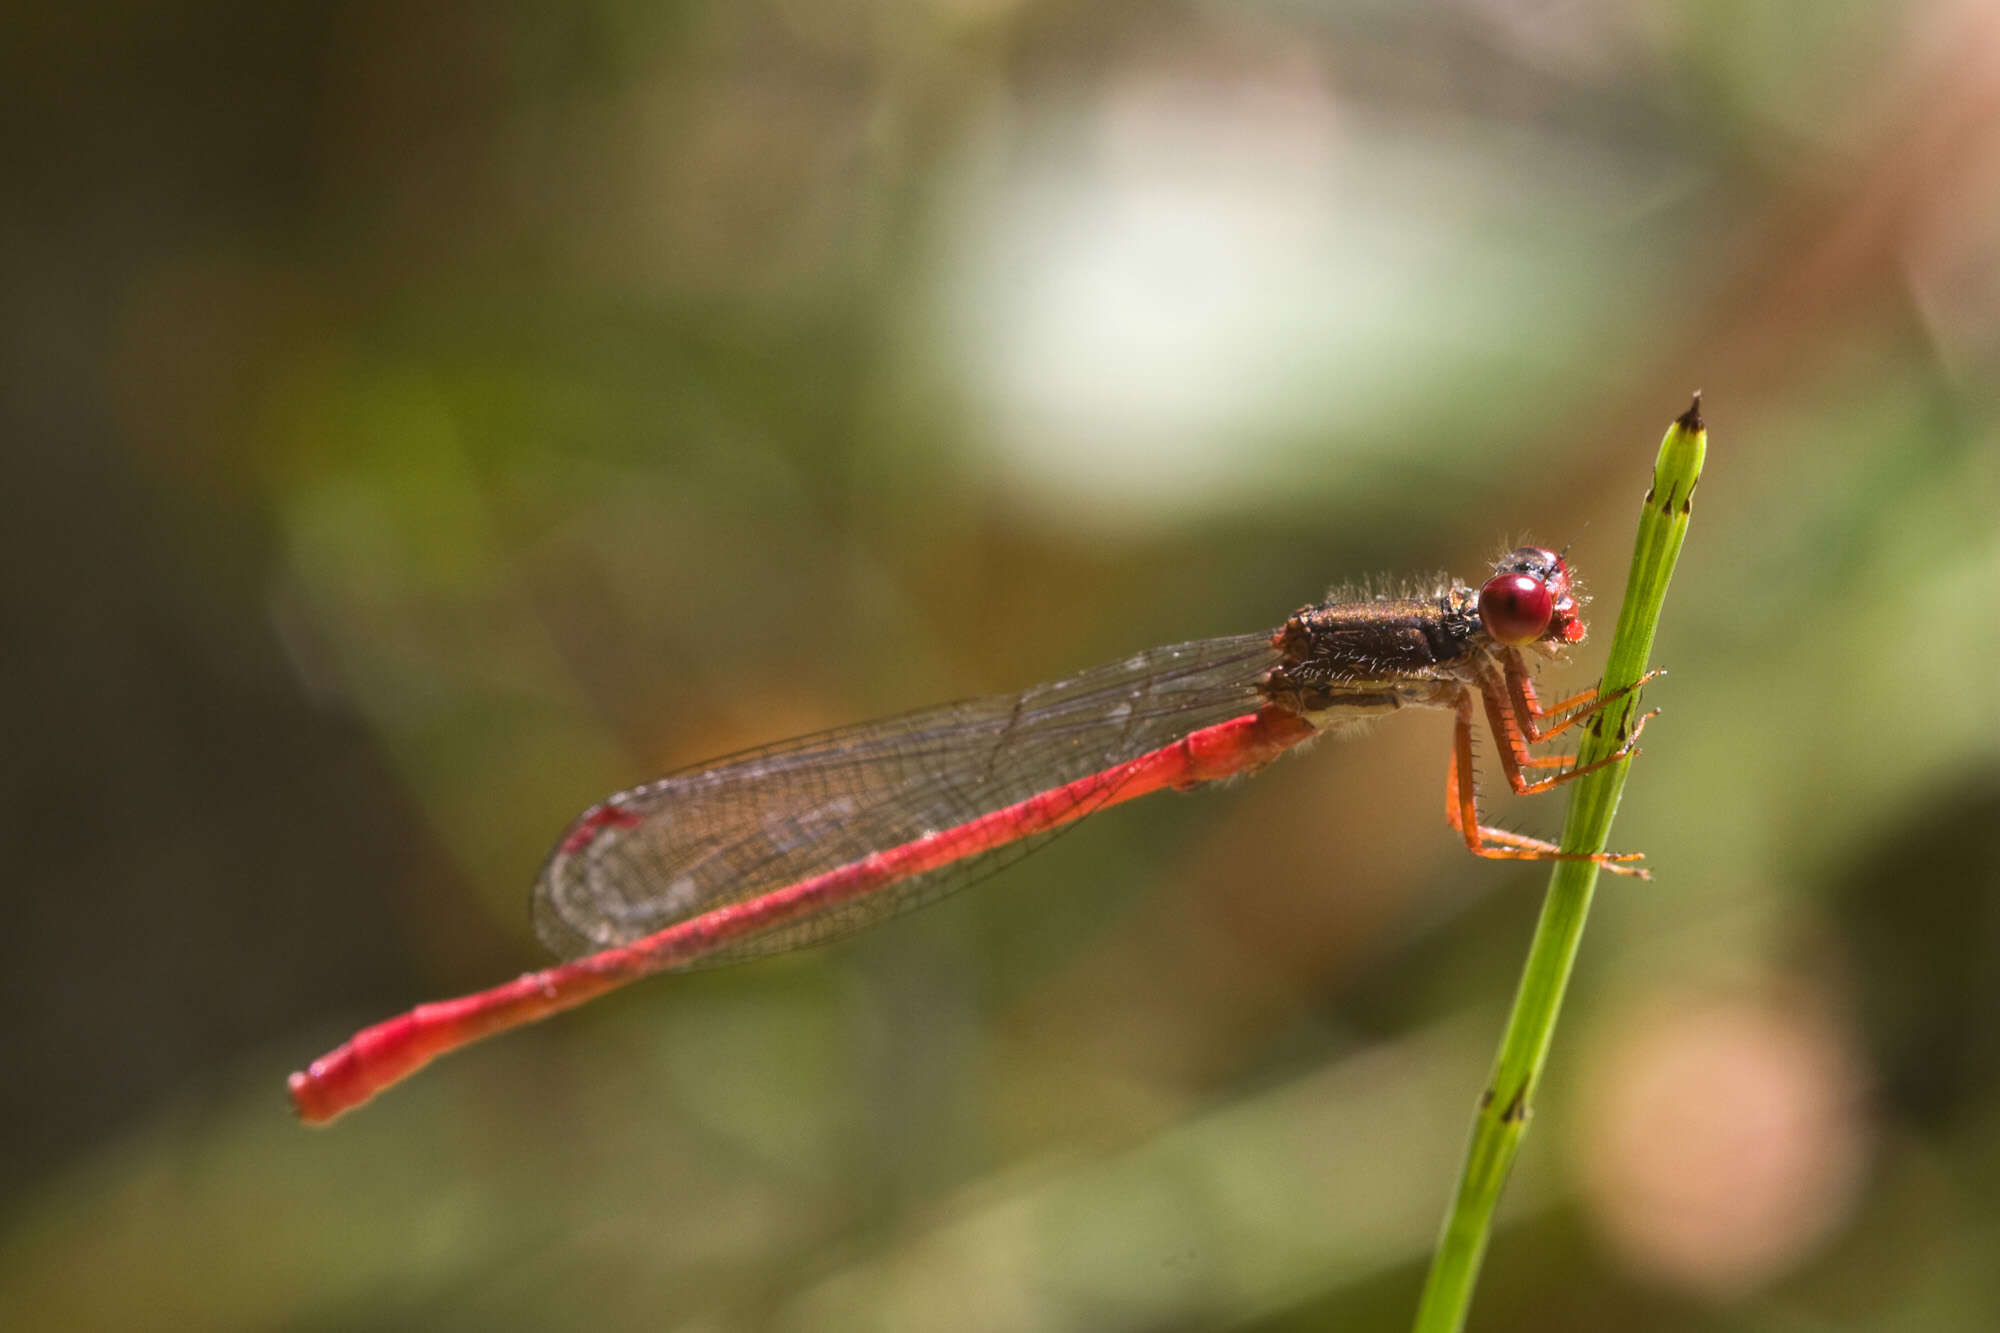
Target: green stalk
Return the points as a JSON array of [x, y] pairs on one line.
[[1503, 1111]]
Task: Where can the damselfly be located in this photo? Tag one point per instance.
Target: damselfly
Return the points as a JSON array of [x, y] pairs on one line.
[[813, 838]]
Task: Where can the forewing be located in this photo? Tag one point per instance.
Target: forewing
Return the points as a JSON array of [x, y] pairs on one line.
[[758, 821]]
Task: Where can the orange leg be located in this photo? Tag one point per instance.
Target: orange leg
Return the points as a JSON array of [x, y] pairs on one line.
[[1462, 811], [1529, 710], [1510, 730]]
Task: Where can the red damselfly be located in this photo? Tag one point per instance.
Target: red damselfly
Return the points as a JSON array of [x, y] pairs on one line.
[[813, 838]]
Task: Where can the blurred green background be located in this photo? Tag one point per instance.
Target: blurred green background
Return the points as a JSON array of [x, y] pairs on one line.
[[420, 420]]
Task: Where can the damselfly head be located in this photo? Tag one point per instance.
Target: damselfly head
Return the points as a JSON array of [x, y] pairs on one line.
[[1530, 599]]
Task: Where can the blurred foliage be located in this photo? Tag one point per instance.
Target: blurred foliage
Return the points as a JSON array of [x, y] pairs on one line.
[[425, 419]]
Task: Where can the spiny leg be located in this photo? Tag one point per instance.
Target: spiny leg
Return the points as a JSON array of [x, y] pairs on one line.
[[1528, 708], [1462, 812], [1509, 730]]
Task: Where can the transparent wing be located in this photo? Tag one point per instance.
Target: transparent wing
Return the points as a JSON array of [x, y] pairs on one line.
[[758, 821]]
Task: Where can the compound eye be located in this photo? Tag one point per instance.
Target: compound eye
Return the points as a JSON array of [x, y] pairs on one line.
[[1515, 608]]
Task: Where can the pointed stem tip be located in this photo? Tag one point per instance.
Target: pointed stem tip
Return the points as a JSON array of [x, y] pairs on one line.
[[1690, 420]]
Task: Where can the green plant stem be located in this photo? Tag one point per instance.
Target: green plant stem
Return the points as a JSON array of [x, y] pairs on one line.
[[1502, 1118]]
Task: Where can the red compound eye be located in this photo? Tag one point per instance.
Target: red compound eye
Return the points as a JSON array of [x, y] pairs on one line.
[[1515, 608]]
